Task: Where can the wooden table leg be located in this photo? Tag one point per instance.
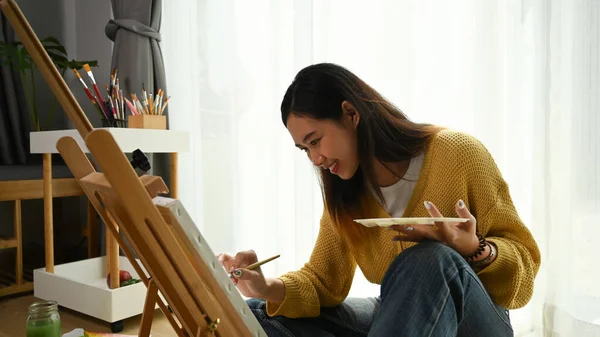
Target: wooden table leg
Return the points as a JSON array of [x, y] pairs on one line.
[[19, 237], [174, 175], [112, 254], [48, 226]]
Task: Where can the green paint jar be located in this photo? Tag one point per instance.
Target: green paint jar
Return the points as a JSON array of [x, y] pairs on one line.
[[43, 320]]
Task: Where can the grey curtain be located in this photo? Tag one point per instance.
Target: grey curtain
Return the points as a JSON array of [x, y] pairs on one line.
[[14, 118], [135, 31]]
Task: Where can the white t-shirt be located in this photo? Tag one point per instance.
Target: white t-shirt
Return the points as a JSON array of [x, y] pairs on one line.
[[397, 196]]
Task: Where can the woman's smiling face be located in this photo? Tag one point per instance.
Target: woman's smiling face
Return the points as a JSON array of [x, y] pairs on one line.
[[329, 144]]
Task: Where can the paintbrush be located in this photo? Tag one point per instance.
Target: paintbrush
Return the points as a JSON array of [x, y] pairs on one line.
[[90, 95], [162, 109], [131, 107], [253, 266], [88, 70]]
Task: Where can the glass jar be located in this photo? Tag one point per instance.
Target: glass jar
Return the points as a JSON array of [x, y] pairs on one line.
[[43, 320]]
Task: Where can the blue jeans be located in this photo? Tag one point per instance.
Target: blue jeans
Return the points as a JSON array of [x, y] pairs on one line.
[[428, 290]]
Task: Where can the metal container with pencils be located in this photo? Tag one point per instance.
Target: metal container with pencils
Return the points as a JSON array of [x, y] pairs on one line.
[[114, 123], [110, 108]]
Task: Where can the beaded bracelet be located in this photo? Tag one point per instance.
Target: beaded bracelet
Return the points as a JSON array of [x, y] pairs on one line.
[[480, 249], [488, 259]]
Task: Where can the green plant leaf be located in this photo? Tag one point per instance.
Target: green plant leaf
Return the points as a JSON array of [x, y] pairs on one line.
[[10, 53], [51, 43], [50, 39], [58, 59], [73, 64], [4, 48], [16, 54], [60, 49], [25, 61]]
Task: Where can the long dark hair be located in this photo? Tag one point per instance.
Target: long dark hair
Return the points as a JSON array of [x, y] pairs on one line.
[[384, 132]]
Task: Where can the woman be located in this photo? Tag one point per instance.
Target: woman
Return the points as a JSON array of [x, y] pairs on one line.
[[450, 279]]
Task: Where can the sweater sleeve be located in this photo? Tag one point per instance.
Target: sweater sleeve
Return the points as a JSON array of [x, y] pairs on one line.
[[324, 281], [510, 278]]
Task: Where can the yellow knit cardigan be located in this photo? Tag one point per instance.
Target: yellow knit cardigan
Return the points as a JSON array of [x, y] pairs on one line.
[[456, 166]]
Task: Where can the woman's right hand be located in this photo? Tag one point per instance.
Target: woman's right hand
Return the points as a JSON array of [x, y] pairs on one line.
[[251, 283]]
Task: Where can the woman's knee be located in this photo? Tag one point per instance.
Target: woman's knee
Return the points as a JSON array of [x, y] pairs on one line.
[[426, 255], [426, 250]]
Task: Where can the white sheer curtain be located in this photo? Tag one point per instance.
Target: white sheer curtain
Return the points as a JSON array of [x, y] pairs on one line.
[[572, 297], [520, 75]]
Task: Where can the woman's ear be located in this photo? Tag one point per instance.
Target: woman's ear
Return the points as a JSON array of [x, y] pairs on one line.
[[350, 112]]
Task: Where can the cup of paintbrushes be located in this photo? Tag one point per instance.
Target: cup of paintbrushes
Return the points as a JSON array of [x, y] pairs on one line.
[[147, 113]]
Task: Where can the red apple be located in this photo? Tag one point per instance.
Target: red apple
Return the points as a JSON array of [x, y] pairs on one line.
[[124, 276]]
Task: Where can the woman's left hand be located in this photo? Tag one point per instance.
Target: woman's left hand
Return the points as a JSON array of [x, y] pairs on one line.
[[458, 235]]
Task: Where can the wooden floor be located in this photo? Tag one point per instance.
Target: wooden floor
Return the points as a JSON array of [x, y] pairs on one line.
[[13, 314]]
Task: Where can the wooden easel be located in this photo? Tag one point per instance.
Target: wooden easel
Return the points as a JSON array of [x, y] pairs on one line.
[[180, 265]]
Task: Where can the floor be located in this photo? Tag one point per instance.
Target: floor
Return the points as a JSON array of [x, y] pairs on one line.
[[13, 314]]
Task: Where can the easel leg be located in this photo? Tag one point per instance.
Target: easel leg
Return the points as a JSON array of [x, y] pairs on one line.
[[180, 332], [149, 305], [48, 226]]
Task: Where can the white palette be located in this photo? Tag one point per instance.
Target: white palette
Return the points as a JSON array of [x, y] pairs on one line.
[[387, 222]]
